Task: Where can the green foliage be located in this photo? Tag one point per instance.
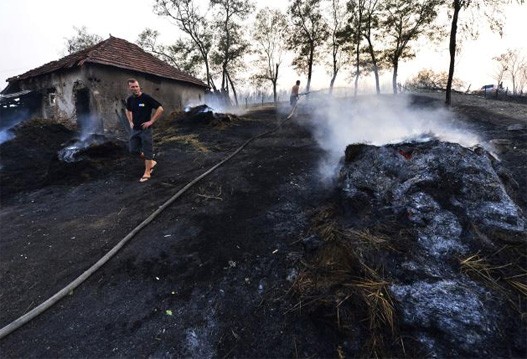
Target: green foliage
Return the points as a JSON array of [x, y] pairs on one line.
[[231, 44], [190, 20], [309, 31], [81, 40], [183, 55]]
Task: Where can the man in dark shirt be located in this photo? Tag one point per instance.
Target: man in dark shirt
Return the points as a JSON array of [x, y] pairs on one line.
[[139, 108]]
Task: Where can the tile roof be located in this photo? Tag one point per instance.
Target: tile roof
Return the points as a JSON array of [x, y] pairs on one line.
[[118, 53]]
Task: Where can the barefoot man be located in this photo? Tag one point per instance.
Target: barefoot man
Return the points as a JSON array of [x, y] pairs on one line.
[[139, 108]]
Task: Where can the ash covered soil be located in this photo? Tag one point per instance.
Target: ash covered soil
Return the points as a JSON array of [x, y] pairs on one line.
[[248, 262]]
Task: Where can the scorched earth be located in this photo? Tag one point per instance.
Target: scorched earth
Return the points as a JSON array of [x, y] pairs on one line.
[[298, 246]]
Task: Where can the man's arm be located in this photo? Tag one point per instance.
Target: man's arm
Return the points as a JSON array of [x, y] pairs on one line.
[[155, 116], [130, 117]]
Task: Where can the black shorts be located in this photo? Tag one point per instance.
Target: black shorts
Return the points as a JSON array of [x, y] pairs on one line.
[[141, 142]]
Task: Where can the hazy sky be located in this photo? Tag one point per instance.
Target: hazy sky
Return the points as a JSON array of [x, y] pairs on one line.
[[34, 33]]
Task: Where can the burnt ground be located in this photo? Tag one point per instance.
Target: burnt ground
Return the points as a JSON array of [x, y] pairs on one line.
[[215, 274]]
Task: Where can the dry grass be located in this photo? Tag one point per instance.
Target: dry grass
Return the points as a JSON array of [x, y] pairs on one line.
[[338, 280], [380, 304], [521, 287], [479, 267], [190, 140], [377, 241], [503, 271]]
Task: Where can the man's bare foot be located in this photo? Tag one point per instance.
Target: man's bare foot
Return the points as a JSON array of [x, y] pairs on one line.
[[154, 163]]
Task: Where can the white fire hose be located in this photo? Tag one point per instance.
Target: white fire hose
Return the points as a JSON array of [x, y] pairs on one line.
[[17, 323]]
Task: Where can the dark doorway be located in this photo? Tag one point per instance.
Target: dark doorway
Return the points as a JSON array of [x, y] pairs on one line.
[[82, 109]]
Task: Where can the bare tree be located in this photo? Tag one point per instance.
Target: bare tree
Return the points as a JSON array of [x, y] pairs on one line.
[[491, 11], [369, 27], [352, 35], [499, 74], [147, 40], [269, 33], [231, 45], [308, 32], [81, 40], [336, 43], [522, 80], [512, 63], [186, 14], [357, 20], [404, 21]]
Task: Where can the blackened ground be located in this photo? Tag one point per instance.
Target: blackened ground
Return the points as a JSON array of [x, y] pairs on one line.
[[208, 278], [212, 276]]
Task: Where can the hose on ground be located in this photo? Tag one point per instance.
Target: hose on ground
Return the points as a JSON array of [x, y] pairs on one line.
[[17, 323]]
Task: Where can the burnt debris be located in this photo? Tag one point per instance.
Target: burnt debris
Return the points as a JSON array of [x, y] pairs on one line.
[[203, 115], [456, 205]]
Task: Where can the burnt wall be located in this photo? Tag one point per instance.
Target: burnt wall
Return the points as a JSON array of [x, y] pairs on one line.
[[93, 96], [56, 93], [110, 89]]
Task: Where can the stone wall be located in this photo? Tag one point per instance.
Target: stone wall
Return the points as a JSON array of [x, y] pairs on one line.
[[93, 96]]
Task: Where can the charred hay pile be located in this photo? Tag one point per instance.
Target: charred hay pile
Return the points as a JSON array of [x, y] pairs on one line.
[[44, 152], [424, 255], [53, 153], [203, 115]]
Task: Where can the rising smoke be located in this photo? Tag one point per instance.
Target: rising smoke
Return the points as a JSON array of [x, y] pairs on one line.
[[7, 124], [376, 120]]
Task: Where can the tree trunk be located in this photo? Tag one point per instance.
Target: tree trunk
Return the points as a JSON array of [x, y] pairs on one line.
[[332, 82], [275, 80], [233, 89], [452, 48], [394, 77], [375, 68], [210, 82], [335, 73], [377, 84], [310, 66], [357, 51], [357, 70]]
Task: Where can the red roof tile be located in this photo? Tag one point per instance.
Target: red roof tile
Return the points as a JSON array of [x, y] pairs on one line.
[[118, 53]]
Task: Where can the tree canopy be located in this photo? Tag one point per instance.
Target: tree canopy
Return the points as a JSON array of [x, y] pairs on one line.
[[220, 39], [81, 40]]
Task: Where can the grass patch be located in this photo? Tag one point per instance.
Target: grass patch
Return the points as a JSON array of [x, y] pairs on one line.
[[503, 271], [188, 140], [343, 286]]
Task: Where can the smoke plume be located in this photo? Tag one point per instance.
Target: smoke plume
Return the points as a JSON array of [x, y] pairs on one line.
[[376, 120]]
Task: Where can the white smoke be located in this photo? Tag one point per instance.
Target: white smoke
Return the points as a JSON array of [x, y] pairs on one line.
[[5, 135], [7, 125], [88, 125], [376, 120]]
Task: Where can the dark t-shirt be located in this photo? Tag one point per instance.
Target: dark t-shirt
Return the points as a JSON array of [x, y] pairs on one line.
[[141, 108]]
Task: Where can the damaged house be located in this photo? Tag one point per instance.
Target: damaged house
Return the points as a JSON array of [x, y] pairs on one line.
[[90, 87]]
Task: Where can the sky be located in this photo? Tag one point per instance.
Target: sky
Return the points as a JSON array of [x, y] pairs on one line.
[[34, 33]]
